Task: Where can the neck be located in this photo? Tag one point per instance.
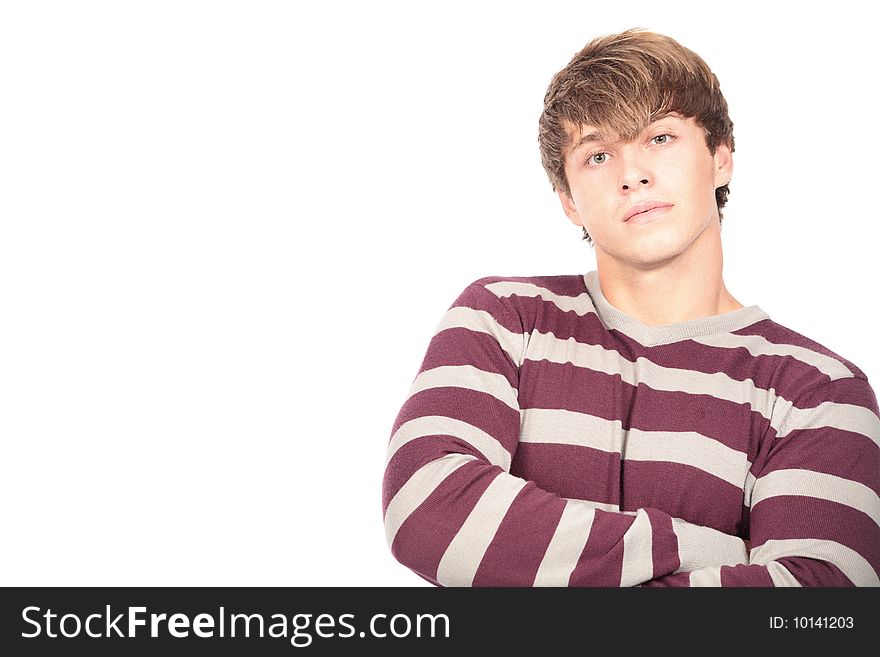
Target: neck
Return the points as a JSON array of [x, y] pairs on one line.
[[685, 287]]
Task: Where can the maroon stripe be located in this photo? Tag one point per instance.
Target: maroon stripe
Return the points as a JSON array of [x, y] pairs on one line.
[[479, 298], [682, 491], [427, 532], [515, 553], [428, 579], [416, 453], [677, 579], [571, 471], [817, 573], [829, 450], [567, 285], [844, 391], [461, 346], [742, 575], [751, 575], [779, 334], [544, 384], [664, 543], [479, 409], [606, 396], [791, 516], [545, 316], [727, 422], [601, 562]]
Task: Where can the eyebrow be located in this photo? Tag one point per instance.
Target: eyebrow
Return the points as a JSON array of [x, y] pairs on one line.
[[591, 137], [595, 136]]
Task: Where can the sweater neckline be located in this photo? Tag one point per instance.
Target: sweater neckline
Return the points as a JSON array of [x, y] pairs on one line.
[[614, 318]]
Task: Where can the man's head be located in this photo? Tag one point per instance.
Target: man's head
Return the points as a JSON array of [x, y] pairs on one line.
[[619, 85]]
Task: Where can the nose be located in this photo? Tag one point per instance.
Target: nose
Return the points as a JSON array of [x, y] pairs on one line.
[[634, 172], [626, 186]]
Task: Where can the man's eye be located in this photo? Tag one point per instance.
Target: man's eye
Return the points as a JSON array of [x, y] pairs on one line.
[[662, 139], [597, 158]]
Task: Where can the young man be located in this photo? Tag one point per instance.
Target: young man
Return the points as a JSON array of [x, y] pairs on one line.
[[636, 425]]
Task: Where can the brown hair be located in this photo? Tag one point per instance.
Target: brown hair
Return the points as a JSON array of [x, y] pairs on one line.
[[623, 82]]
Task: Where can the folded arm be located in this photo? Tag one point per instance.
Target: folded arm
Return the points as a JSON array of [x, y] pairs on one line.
[[455, 515], [813, 498]]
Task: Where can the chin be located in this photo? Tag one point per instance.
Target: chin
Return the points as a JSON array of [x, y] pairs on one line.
[[652, 260], [656, 252]]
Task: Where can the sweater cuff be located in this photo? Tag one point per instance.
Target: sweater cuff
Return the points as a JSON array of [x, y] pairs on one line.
[[704, 547]]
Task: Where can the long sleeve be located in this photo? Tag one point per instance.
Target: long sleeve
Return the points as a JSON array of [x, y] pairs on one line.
[[456, 516], [813, 496]]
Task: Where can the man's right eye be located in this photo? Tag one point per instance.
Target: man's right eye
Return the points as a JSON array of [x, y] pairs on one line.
[[597, 158]]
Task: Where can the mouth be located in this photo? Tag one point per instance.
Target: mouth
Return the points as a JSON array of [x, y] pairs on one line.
[[645, 211]]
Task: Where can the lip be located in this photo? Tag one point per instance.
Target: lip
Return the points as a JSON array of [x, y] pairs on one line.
[[647, 206]]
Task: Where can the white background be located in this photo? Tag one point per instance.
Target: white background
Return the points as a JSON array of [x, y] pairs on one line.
[[228, 231]]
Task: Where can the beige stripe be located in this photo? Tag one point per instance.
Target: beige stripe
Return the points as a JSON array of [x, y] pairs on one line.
[[416, 490], [601, 506], [706, 577], [464, 554], [748, 489], [822, 486], [546, 346], [439, 425], [560, 426], [483, 322], [638, 554], [469, 377], [850, 562], [566, 546], [702, 547], [581, 304], [780, 575], [848, 417]]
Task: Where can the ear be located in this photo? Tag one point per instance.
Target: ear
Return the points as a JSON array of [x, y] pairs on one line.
[[569, 208], [723, 159]]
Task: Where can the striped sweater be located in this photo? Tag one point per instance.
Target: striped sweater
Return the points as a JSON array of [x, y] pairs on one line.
[[550, 439]]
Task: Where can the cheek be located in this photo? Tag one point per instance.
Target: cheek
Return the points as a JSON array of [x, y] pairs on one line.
[[595, 191], [592, 206], [697, 178]]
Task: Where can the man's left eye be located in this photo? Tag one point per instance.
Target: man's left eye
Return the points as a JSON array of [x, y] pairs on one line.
[[661, 139]]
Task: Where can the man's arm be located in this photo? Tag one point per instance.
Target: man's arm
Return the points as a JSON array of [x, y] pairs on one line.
[[456, 516], [815, 499]]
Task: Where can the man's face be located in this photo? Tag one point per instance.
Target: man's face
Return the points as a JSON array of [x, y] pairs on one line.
[[668, 166]]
